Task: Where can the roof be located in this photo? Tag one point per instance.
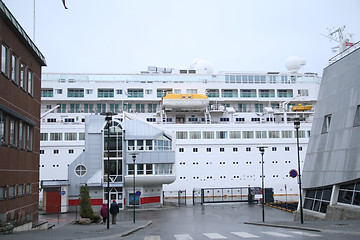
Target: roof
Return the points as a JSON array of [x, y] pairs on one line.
[[7, 15]]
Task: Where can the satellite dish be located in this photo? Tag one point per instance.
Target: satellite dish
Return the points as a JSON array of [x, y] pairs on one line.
[[294, 63]]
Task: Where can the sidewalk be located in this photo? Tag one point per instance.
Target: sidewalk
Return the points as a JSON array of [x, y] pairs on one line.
[[64, 228], [348, 226]]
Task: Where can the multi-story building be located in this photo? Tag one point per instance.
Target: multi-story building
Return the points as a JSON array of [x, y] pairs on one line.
[[20, 84]]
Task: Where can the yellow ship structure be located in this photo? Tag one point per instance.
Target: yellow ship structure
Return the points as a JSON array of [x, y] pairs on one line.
[[183, 102]]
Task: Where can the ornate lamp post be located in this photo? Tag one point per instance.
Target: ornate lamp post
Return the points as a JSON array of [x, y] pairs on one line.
[[108, 119], [262, 150], [134, 158], [297, 126]]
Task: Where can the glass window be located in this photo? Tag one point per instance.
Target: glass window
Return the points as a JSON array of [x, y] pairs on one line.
[[23, 76], [75, 92], [21, 135], [55, 136], [80, 170], [4, 131], [47, 92], [140, 169], [260, 134], [20, 190], [221, 134], [12, 192], [105, 93], [82, 136], [208, 135], [70, 136], [28, 189], [274, 134], [286, 134], [15, 69], [235, 134], [181, 135], [357, 116], [326, 124], [149, 169], [29, 138], [13, 133], [2, 193], [195, 135], [130, 169], [248, 134], [30, 87], [149, 145], [139, 145], [5, 60]]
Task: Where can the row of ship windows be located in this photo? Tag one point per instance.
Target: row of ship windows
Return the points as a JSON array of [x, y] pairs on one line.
[[235, 149], [234, 163], [140, 93], [234, 177], [240, 134], [149, 108], [57, 151]]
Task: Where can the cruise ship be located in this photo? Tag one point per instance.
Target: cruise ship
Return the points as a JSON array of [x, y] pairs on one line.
[[218, 119]]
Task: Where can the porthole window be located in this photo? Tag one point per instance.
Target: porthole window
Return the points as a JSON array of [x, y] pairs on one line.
[[80, 170]]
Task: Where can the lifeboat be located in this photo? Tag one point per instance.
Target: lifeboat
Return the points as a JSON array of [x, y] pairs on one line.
[[301, 108], [173, 101]]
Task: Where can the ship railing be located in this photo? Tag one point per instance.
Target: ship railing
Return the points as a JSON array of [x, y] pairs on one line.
[[344, 53]]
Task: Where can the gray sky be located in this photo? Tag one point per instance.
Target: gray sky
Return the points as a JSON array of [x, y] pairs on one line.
[[118, 36]]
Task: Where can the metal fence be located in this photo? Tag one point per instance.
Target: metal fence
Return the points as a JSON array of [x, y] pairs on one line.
[[177, 198], [223, 195]]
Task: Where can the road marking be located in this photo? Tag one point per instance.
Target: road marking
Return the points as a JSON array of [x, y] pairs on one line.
[[245, 235], [214, 235], [308, 234], [152, 238], [183, 237], [276, 234]]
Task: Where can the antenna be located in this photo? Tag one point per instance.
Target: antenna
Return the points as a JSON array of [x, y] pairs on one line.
[[344, 41]]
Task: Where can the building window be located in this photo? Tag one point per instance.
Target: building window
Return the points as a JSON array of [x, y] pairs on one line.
[[248, 134], [23, 76], [2, 193], [317, 199], [5, 60], [81, 136], [221, 134], [248, 149], [287, 149], [181, 135], [20, 190], [29, 138], [28, 189], [222, 149], [235, 134], [58, 91], [75, 93], [15, 69], [260, 134], [350, 193], [71, 151], [80, 170], [286, 134], [55, 136], [195, 149], [326, 124], [194, 135], [357, 116], [42, 151], [149, 169], [30, 83], [140, 169], [13, 133], [56, 151], [274, 134], [208, 149], [235, 149], [47, 93], [274, 149], [12, 191], [105, 93], [70, 136], [208, 135], [181, 149]]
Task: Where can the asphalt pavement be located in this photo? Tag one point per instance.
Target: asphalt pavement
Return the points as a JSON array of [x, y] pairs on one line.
[[64, 227]]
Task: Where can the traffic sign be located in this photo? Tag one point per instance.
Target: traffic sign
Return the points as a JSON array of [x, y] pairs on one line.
[[138, 193], [293, 173], [62, 192]]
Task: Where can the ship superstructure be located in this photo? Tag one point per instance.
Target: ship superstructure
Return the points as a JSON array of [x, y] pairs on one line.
[[218, 120]]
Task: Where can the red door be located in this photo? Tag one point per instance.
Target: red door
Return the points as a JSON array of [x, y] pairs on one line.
[[53, 202]]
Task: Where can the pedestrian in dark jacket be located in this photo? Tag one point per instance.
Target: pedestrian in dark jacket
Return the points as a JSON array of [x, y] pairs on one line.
[[114, 210], [104, 212]]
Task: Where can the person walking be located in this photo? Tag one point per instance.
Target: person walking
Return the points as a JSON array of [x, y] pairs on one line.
[[104, 212], [114, 210]]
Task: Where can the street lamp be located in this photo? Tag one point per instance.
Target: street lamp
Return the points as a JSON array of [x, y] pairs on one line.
[[262, 150], [297, 126], [108, 119], [134, 158]]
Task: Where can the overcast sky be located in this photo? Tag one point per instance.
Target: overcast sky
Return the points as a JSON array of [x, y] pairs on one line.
[[119, 36]]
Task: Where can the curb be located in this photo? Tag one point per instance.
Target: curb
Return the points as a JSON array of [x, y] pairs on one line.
[[134, 229], [283, 226]]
